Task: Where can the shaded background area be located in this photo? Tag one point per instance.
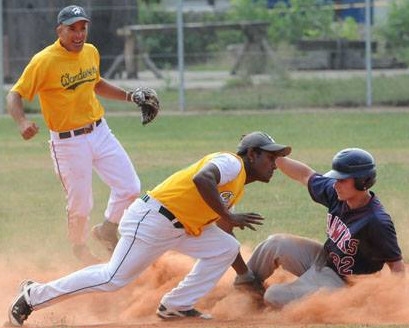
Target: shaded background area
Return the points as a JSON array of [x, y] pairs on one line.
[[305, 53], [29, 26], [310, 34]]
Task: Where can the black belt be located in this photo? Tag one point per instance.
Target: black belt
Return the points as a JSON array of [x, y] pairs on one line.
[[86, 129], [166, 213]]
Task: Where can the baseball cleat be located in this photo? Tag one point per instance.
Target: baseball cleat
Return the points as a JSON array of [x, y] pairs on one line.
[[24, 285], [20, 308], [166, 314], [106, 234]]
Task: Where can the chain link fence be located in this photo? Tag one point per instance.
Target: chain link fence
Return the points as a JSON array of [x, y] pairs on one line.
[[316, 48]]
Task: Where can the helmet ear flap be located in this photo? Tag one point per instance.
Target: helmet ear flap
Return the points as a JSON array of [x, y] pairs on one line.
[[365, 183], [360, 183]]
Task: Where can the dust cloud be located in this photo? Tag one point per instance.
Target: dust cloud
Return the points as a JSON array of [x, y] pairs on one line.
[[378, 299]]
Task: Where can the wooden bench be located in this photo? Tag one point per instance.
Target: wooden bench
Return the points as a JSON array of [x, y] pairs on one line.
[[255, 33]]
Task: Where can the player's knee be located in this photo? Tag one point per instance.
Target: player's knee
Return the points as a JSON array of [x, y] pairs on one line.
[[278, 243], [277, 238], [130, 191], [134, 189], [116, 283], [268, 248], [233, 247]]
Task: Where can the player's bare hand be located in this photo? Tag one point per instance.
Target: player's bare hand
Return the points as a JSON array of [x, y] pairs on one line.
[[28, 129], [243, 220]]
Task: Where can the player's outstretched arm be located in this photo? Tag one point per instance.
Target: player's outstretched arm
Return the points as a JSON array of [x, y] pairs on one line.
[[145, 98], [107, 90], [296, 170], [15, 107]]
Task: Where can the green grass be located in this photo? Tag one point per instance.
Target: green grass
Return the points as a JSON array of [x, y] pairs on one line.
[[283, 93], [33, 204]]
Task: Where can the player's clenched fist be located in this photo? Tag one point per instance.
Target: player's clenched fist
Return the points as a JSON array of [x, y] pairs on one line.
[[28, 129]]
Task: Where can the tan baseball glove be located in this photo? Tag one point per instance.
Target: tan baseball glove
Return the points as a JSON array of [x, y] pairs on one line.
[[148, 101]]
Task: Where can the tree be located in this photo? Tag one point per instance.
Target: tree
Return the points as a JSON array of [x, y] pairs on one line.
[[396, 29], [290, 20]]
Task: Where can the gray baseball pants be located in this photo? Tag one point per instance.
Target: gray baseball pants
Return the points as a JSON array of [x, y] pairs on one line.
[[297, 255]]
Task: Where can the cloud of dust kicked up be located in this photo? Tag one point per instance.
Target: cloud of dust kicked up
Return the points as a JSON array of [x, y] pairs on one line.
[[378, 299]]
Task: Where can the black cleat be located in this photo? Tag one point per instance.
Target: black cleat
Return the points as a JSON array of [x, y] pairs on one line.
[[24, 285], [20, 309], [163, 313]]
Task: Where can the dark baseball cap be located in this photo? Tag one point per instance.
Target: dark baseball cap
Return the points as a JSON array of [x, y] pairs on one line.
[[263, 141], [72, 14]]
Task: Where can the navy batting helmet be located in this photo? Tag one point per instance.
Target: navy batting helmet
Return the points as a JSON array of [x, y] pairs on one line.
[[354, 163]]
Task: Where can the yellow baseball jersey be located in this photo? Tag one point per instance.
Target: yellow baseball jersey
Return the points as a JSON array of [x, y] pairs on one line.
[[64, 82], [179, 195]]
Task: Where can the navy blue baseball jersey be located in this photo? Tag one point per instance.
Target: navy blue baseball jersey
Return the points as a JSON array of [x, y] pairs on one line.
[[361, 240]]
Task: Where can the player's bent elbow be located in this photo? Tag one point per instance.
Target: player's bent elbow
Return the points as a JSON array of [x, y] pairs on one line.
[[135, 191], [135, 187], [132, 190]]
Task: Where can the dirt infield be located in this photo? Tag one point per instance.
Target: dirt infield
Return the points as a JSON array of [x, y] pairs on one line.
[[379, 299]]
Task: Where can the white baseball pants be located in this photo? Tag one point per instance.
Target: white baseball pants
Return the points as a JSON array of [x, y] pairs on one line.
[[297, 255], [145, 235], [74, 158]]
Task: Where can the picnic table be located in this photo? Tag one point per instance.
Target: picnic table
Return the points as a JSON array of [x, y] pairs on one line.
[[255, 33]]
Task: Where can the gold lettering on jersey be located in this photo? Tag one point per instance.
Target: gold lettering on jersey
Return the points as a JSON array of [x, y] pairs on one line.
[[71, 82]]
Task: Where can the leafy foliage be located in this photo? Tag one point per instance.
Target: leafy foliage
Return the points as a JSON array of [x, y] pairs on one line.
[[396, 29], [288, 22], [347, 29]]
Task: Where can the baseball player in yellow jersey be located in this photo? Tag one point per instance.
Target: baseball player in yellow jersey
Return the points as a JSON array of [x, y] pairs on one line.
[[66, 77], [179, 215]]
